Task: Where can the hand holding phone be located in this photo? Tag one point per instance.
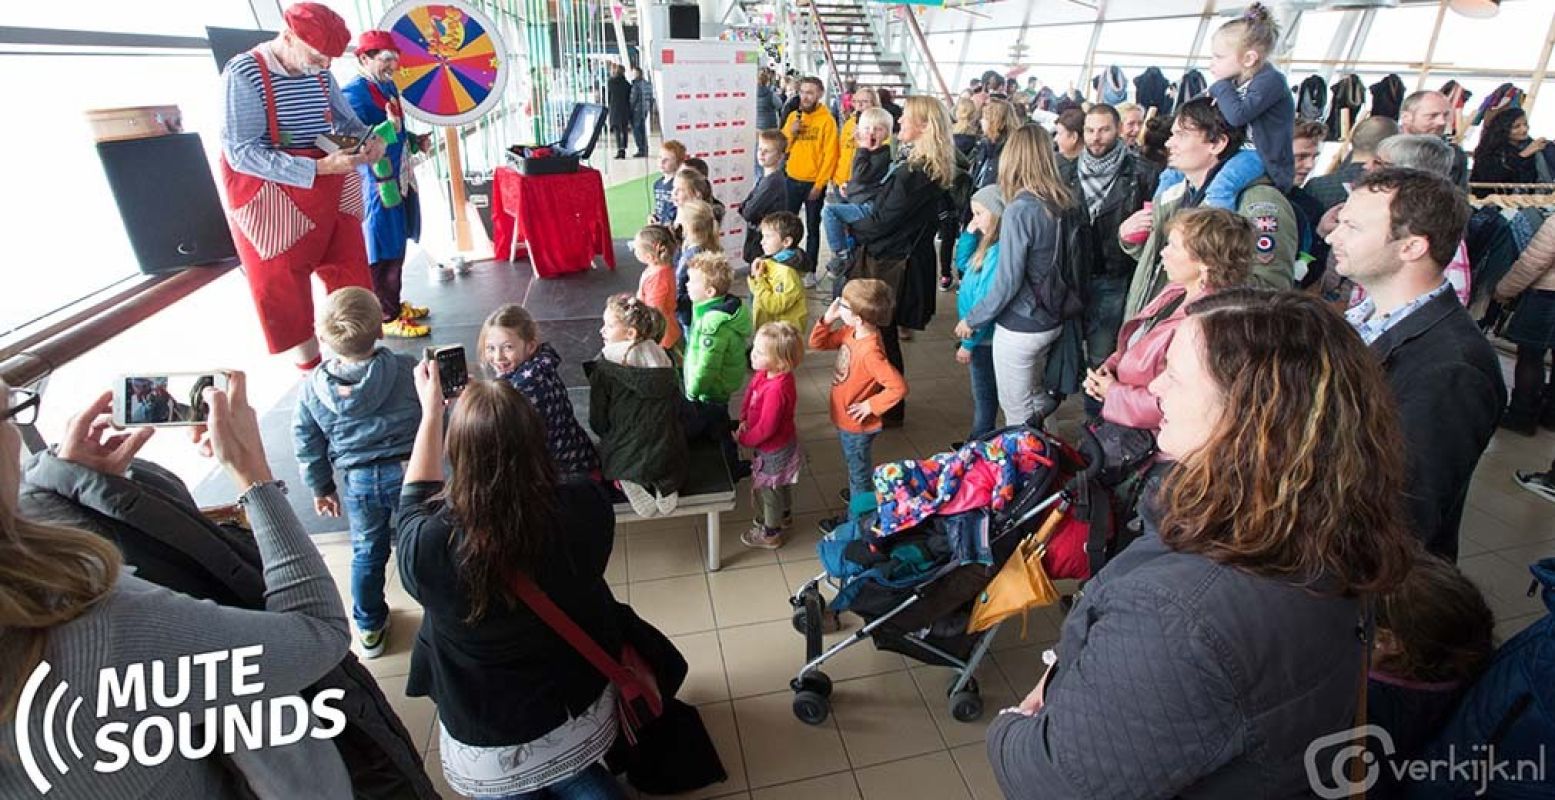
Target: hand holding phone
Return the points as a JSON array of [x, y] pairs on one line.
[[168, 399], [453, 371], [95, 441]]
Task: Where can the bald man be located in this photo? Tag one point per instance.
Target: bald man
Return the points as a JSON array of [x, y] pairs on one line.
[[1429, 113], [1329, 190]]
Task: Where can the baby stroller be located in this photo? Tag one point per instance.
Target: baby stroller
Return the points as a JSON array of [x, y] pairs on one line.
[[913, 569]]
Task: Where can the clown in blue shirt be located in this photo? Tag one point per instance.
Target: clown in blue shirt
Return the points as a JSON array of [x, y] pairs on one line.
[[388, 224]]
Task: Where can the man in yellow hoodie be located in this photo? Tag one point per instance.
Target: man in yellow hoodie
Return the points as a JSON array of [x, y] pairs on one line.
[[812, 161]]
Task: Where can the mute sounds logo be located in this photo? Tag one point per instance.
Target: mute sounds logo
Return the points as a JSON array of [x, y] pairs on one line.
[[184, 726]]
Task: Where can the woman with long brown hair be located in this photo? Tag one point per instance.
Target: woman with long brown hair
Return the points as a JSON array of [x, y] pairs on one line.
[[519, 711], [69, 611], [999, 120], [1026, 297], [1206, 657]]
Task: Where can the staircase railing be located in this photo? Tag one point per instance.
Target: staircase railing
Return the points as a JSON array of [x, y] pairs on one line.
[[831, 58], [903, 36]]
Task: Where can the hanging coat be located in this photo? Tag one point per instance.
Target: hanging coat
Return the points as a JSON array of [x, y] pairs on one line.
[[1312, 99], [1114, 86], [1192, 85], [1152, 90], [1349, 93], [1386, 97]]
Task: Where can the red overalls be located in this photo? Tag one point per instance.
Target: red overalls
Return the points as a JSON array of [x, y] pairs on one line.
[[286, 233]]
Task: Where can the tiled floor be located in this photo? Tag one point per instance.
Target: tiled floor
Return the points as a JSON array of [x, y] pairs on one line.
[[890, 735]]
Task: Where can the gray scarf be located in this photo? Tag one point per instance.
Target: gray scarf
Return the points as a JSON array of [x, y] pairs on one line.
[[1098, 174]]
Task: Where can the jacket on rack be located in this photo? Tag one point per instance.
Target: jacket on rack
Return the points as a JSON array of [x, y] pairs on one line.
[[1153, 90], [1312, 99], [1348, 94], [1535, 268], [1386, 97], [154, 520], [1113, 85], [1505, 96], [1192, 85]]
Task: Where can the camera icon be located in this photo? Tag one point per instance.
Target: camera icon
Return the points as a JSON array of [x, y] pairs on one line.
[[1369, 744]]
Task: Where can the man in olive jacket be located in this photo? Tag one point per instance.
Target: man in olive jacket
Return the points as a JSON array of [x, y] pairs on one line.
[[1201, 142]]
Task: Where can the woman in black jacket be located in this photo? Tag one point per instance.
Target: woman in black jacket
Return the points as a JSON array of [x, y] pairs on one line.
[[1506, 154], [1206, 658], [999, 121], [767, 101], [519, 711], [905, 217]]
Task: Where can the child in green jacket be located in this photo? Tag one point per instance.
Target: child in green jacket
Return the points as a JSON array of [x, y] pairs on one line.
[[716, 365]]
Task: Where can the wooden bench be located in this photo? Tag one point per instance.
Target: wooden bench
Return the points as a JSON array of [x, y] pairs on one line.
[[709, 489]]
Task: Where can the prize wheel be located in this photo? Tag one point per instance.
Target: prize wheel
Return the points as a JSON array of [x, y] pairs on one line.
[[452, 63]]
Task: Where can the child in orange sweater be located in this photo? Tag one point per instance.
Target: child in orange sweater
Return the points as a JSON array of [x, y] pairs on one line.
[[864, 384], [655, 247]]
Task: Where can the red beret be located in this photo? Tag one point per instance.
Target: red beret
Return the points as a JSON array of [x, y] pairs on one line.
[[319, 27], [369, 41]]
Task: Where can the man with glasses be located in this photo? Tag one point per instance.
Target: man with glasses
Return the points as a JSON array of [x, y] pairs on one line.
[[295, 209], [392, 203]]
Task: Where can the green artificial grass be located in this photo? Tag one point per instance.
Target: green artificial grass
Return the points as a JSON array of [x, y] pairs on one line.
[[629, 204]]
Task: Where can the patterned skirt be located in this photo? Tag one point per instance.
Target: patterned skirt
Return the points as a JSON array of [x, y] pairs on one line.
[[770, 470], [574, 746], [1533, 323]]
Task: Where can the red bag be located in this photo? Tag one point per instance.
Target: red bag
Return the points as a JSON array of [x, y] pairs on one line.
[[1065, 556]]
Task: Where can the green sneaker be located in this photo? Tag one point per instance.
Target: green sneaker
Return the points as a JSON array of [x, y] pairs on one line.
[[373, 641]]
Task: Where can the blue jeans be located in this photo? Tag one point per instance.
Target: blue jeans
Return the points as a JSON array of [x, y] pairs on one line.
[[835, 219], [594, 783], [799, 197], [985, 392], [371, 495], [861, 470], [1236, 174], [1103, 319]]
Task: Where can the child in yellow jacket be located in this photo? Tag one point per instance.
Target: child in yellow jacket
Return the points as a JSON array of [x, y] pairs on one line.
[[777, 294]]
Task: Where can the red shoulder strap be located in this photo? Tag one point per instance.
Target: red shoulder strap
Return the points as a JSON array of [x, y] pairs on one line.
[[558, 621], [269, 96]]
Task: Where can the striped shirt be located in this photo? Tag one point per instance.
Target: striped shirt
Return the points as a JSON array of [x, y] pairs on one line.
[[300, 111]]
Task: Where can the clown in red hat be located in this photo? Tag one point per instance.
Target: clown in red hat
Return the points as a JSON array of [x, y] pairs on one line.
[[293, 193], [375, 98]]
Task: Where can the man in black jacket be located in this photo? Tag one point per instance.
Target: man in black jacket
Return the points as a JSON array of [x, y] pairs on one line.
[[1396, 232], [1112, 183], [641, 101], [618, 100]]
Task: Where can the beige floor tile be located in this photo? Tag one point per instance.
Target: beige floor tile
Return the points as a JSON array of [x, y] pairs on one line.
[[403, 625], [840, 786], [1511, 626], [705, 680], [733, 552], [663, 554], [933, 682], [802, 537], [972, 760], [1042, 625], [1022, 667], [744, 596], [760, 659], [418, 714], [675, 605], [926, 777], [883, 718], [615, 568], [781, 749]]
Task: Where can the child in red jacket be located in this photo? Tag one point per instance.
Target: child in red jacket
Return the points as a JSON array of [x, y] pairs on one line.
[[767, 426]]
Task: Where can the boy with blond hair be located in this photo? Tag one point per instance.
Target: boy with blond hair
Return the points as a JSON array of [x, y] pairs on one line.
[[357, 414], [672, 156], [716, 365], [864, 384]]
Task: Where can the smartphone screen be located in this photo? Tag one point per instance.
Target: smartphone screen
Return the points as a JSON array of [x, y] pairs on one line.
[[166, 399], [452, 370]]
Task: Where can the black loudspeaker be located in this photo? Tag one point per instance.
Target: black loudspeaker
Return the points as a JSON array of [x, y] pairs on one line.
[[685, 22], [168, 201]]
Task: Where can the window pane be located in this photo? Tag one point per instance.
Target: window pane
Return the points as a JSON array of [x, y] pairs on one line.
[[165, 17]]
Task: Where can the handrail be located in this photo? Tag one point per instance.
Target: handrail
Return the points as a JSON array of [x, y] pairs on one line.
[[923, 48], [831, 60], [32, 365]]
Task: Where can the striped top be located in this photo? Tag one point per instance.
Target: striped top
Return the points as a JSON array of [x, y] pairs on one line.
[[302, 112]]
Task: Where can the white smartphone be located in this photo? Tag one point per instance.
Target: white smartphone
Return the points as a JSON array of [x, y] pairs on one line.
[[164, 399]]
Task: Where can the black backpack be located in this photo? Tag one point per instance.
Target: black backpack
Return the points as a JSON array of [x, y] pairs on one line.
[[1073, 257]]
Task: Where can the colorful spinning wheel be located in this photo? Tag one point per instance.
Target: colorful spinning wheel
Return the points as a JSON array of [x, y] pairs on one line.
[[452, 65]]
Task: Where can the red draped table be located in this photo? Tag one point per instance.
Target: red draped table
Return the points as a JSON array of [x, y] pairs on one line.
[[560, 219]]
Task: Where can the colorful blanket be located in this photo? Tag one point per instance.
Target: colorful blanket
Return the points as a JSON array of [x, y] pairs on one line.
[[980, 474]]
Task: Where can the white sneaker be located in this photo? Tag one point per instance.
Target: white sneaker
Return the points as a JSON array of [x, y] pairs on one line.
[[666, 502], [373, 642], [642, 502], [1540, 483]]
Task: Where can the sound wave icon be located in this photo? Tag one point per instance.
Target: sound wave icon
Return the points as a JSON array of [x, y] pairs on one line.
[[24, 742]]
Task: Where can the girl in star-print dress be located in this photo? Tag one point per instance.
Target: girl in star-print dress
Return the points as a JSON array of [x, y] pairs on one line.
[[511, 349]]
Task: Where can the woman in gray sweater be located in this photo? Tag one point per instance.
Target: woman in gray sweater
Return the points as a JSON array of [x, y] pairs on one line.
[[1211, 652], [69, 612], [1025, 299]]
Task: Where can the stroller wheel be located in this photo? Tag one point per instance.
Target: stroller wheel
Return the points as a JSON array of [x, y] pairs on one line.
[[815, 682], [970, 688], [966, 706], [811, 708]]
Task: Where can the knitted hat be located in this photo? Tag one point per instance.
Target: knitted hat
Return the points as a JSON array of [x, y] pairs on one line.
[[991, 198], [319, 27]]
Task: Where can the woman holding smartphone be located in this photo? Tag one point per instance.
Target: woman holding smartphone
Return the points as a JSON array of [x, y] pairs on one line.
[[66, 602]]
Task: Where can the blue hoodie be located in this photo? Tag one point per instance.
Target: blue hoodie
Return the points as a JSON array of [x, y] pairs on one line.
[[350, 414]]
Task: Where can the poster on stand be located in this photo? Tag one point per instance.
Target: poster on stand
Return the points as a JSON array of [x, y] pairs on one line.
[[707, 101]]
